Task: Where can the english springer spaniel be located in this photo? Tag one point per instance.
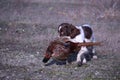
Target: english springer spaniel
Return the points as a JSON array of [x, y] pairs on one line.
[[78, 34]]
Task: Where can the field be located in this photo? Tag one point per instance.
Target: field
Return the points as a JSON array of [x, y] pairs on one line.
[[27, 27]]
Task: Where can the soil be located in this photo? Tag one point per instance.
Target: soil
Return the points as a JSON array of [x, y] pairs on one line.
[[27, 27]]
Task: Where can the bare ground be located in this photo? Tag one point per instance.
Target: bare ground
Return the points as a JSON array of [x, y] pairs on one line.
[[26, 28]]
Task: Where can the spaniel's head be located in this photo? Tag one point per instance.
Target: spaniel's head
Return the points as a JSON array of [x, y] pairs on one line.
[[66, 29], [63, 29]]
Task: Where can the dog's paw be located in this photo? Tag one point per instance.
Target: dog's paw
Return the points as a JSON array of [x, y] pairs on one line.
[[95, 57]]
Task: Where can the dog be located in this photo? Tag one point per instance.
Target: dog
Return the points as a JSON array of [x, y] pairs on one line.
[[78, 34]]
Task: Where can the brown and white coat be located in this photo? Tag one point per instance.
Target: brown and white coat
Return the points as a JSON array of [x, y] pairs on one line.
[[78, 34]]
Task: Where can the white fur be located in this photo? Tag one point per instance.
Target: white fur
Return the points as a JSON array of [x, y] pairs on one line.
[[86, 25], [92, 39], [59, 28], [80, 37], [88, 40], [95, 57], [83, 49], [93, 50], [84, 61]]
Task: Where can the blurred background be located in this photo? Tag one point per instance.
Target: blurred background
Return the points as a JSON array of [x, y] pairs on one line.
[[27, 27], [55, 12]]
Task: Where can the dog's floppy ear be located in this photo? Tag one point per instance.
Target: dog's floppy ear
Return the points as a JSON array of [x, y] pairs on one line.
[[74, 31]]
